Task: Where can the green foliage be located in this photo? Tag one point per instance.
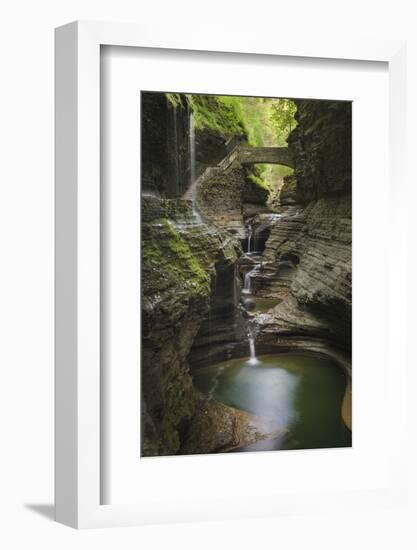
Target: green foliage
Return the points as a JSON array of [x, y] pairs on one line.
[[264, 121], [221, 114], [174, 99], [268, 120], [282, 118], [256, 116]]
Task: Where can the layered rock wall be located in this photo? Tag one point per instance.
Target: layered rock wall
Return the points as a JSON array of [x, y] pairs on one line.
[[219, 197], [321, 145], [308, 264]]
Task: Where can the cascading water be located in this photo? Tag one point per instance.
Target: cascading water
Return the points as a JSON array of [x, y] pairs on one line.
[[177, 154], [191, 193], [236, 287], [247, 280], [247, 283], [252, 350], [249, 237], [192, 150], [251, 338]]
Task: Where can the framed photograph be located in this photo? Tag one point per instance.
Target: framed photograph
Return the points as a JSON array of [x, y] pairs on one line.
[[227, 270]]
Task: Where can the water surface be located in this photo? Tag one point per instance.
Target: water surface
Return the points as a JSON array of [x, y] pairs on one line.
[[301, 393]]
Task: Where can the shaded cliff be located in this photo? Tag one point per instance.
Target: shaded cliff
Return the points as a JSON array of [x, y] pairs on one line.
[[182, 135], [322, 147], [165, 155]]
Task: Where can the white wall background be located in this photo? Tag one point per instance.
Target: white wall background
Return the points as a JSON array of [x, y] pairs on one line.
[[26, 272]]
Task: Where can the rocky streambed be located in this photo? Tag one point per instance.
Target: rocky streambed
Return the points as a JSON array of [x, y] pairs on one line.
[[206, 331], [306, 374]]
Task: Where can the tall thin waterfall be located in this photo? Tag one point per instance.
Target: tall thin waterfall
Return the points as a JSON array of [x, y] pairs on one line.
[[236, 287], [176, 154], [247, 280], [252, 349], [251, 338], [247, 283], [191, 193], [192, 149], [249, 237]]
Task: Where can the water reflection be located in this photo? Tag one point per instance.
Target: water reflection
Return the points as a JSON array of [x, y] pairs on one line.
[[300, 393]]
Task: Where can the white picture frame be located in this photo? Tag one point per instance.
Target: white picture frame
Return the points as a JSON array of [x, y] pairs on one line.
[[77, 244]]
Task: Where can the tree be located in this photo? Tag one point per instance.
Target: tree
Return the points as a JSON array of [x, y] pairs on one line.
[[282, 113]]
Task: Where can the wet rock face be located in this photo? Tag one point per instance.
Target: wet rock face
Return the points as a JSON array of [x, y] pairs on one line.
[[322, 148], [165, 144]]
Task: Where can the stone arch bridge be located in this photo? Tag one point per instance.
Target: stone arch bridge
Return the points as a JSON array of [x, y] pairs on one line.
[[265, 155], [243, 155]]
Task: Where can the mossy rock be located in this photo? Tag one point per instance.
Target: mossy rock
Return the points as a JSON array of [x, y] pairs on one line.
[[220, 114], [166, 251]]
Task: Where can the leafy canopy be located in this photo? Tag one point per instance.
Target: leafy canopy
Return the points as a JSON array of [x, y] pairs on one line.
[[263, 121]]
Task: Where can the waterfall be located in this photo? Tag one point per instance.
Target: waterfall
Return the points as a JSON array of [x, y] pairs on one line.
[[252, 350], [191, 193], [251, 338], [192, 149], [236, 287], [249, 237], [247, 283], [177, 154], [247, 280]]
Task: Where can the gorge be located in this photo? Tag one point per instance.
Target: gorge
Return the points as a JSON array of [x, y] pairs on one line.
[[246, 274]]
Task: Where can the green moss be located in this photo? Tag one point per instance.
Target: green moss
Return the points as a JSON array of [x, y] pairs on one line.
[[174, 99], [221, 114], [263, 121], [168, 253]]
